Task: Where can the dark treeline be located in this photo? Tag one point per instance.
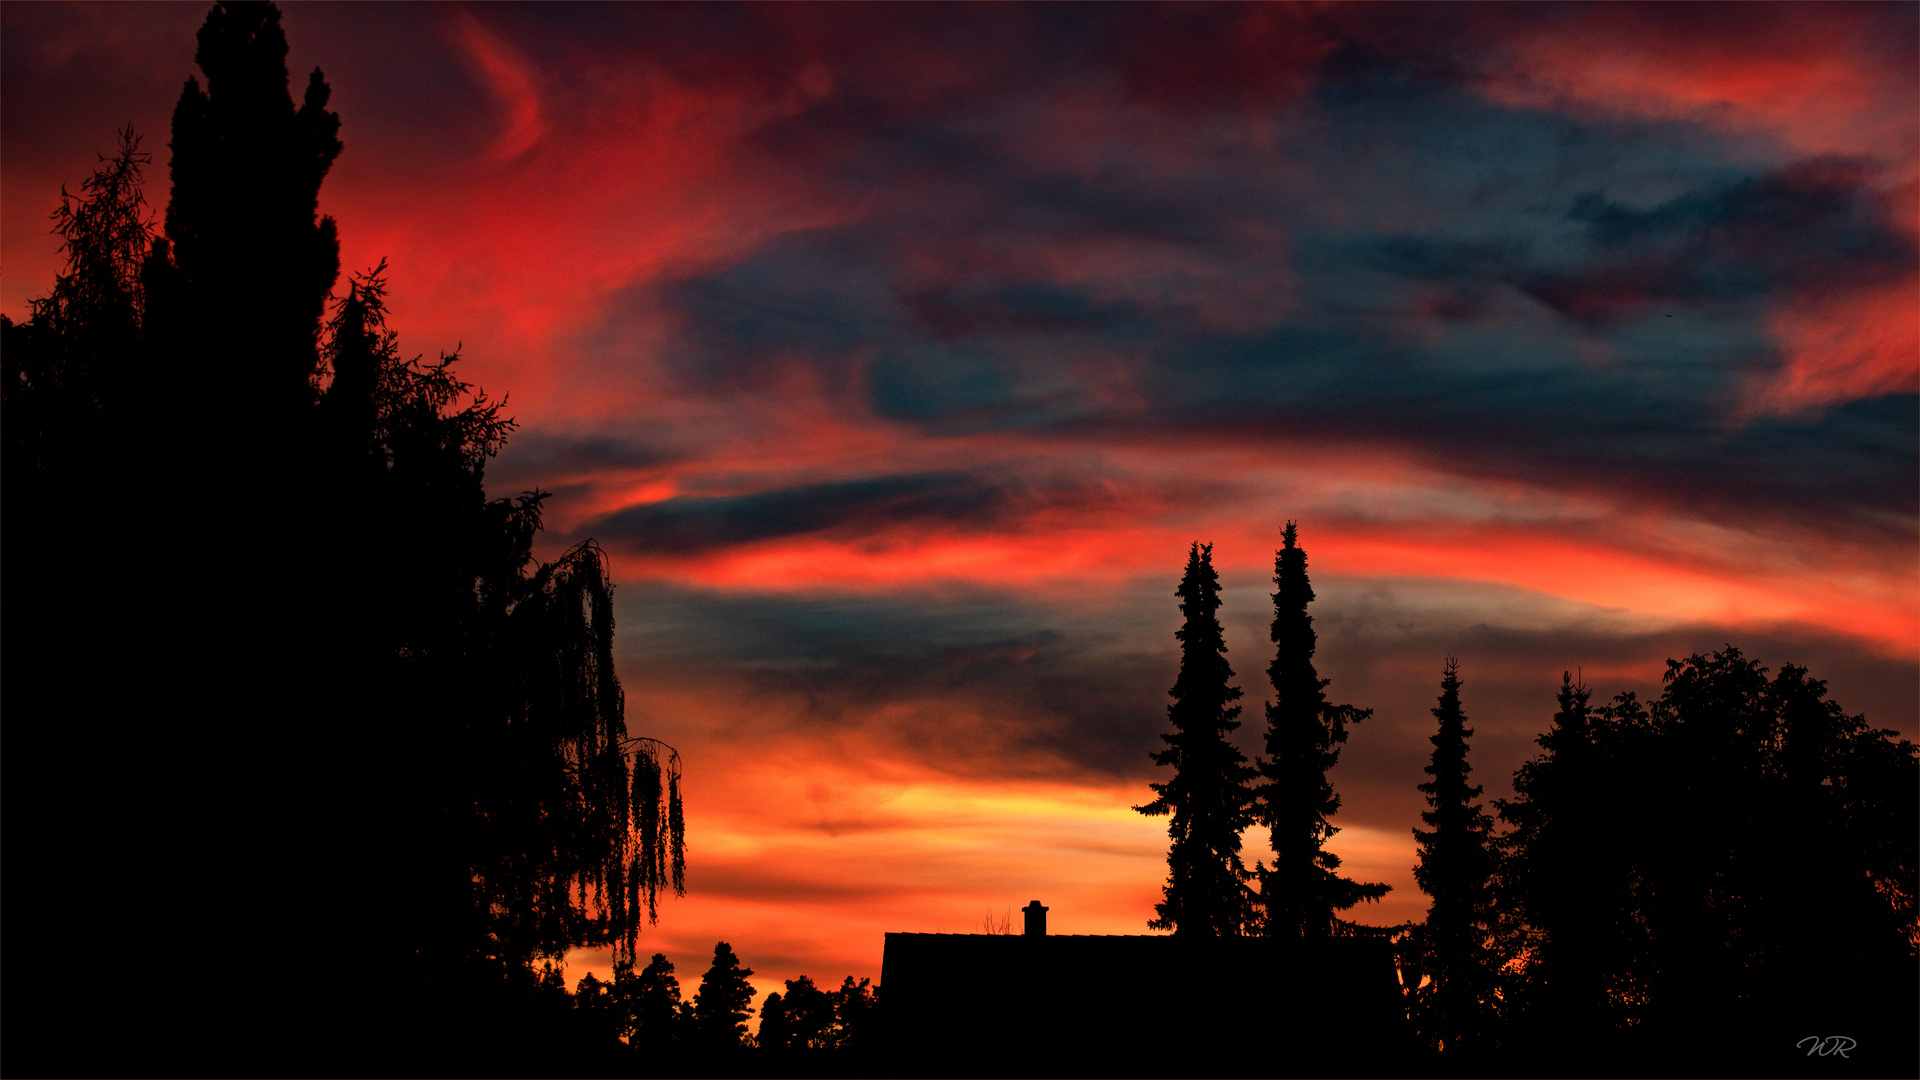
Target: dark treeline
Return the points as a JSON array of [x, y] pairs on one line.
[[308, 760], [1719, 881], [639, 1023]]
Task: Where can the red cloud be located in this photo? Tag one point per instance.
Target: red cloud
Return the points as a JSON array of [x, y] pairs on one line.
[[1843, 347], [1821, 77], [1654, 566], [511, 79]]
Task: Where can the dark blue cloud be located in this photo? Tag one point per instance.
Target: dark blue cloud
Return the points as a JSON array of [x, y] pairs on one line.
[[978, 501], [1047, 690], [535, 452], [1811, 227], [685, 525], [1513, 292]]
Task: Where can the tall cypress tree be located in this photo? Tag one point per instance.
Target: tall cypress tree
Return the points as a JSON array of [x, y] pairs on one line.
[[1206, 891], [1455, 869], [241, 283], [1301, 892]]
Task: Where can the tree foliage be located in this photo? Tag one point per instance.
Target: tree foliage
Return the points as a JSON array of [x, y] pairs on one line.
[[575, 828], [247, 263], [808, 1018], [1206, 892], [403, 734], [66, 370], [1455, 869], [1302, 890], [1705, 860], [724, 1002], [800, 1020]]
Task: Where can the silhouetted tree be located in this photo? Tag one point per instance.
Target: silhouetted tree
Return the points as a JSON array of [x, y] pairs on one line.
[[1302, 890], [243, 276], [776, 1028], [810, 1015], [854, 1005], [68, 364], [807, 1018], [598, 1008], [1737, 858], [1565, 871], [804, 1019], [724, 1001], [76, 478], [384, 693], [1456, 871], [1206, 890], [577, 827], [655, 1017]]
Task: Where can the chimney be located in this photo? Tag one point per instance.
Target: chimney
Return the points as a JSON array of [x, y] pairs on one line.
[[1036, 919]]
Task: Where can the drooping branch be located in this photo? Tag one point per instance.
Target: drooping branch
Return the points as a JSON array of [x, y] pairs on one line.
[[658, 855]]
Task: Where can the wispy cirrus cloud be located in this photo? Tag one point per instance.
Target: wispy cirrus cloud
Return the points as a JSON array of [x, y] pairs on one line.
[[512, 82]]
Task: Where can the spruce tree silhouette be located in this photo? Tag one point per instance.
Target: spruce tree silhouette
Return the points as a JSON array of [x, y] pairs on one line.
[[1206, 890], [1456, 871], [1301, 891], [723, 1003]]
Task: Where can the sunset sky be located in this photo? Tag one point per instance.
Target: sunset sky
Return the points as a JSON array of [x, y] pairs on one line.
[[896, 354]]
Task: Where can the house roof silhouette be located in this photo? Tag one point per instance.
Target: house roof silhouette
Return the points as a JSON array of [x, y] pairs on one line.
[[1140, 1004]]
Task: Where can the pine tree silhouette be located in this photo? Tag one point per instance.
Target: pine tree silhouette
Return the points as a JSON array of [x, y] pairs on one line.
[[723, 1003], [1456, 871], [655, 1016], [854, 1005], [776, 1028], [1302, 890], [1206, 890]]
